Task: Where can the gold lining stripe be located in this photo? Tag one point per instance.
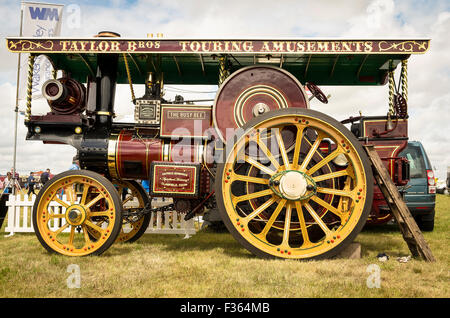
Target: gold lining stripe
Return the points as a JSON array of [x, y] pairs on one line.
[[119, 138], [387, 148], [252, 91], [147, 168], [377, 121], [112, 152], [166, 152], [104, 113]]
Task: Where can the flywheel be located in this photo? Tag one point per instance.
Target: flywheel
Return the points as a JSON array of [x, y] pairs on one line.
[[253, 91]]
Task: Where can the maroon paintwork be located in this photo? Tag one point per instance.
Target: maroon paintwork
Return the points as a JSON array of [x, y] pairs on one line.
[[174, 180], [135, 152], [262, 83], [312, 46], [179, 121], [388, 145]]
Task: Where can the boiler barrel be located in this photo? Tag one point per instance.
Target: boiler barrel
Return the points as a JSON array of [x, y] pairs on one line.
[[131, 152]]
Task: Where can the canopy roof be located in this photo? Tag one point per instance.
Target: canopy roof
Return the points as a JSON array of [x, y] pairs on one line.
[[196, 61]]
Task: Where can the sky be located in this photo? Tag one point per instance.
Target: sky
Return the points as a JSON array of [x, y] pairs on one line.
[[428, 74]]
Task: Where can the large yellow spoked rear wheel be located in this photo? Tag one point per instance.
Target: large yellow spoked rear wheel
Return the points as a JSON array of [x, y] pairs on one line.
[[134, 199], [70, 207], [296, 184]]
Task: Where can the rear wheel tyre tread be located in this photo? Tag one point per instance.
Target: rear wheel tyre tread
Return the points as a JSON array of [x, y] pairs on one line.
[[369, 184]]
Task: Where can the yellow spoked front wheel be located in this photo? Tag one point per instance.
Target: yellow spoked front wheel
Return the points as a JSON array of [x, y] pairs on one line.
[[295, 184], [72, 206], [134, 200]]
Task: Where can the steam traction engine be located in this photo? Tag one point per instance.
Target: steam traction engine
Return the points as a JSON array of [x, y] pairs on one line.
[[288, 181]]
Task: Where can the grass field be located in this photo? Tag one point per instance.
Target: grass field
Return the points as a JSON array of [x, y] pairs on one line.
[[214, 265]]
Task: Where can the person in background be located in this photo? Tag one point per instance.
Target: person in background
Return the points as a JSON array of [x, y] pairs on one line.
[[45, 176], [8, 183], [75, 163], [12, 173], [146, 185], [31, 183], [75, 166]]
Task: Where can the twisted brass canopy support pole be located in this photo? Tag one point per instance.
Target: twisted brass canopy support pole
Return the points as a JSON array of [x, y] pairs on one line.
[[405, 79], [127, 67], [29, 87], [391, 89], [223, 70]]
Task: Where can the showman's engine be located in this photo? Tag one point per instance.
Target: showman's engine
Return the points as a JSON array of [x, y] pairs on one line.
[[287, 181]]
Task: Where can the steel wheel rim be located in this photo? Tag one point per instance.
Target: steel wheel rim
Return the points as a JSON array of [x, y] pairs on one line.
[[354, 194], [82, 193], [136, 225]]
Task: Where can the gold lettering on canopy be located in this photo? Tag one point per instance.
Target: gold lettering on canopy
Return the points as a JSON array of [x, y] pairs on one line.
[[219, 46]]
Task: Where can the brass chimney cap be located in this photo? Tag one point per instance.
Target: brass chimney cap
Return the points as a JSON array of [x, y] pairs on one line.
[[107, 34]]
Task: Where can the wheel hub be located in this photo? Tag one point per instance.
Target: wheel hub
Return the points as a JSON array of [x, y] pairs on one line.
[[260, 108], [75, 215], [293, 185]]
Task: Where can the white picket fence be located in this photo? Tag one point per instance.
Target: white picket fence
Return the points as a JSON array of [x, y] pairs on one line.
[[20, 218]]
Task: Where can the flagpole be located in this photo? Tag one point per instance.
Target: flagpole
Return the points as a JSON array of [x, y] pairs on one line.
[[16, 110]]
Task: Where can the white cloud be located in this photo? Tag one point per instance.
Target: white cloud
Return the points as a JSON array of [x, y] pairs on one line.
[[428, 73]]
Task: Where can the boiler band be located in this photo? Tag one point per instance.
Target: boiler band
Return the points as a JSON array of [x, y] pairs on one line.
[[131, 152]]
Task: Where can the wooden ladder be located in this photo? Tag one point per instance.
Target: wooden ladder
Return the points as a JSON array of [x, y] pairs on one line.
[[408, 226]]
